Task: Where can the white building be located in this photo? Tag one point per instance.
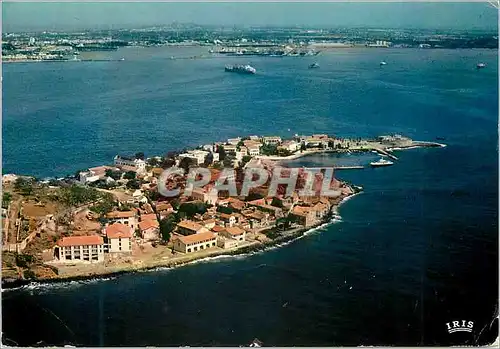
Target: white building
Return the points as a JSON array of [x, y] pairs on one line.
[[197, 155], [119, 238], [234, 141], [137, 165], [274, 140], [80, 249], [253, 151], [195, 242]]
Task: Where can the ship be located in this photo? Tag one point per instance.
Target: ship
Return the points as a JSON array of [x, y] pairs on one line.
[[314, 65], [381, 162], [481, 65], [242, 69], [383, 63]]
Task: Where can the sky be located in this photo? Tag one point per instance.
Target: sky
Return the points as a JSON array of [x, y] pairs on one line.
[[26, 16]]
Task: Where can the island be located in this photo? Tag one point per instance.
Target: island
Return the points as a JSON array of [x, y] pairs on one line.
[[113, 218]]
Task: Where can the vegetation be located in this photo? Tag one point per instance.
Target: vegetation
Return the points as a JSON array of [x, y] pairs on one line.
[[254, 196], [269, 149], [133, 184], [129, 175], [222, 153], [29, 275], [24, 185], [277, 202], [186, 163], [78, 195], [113, 174], [189, 209], [209, 159], [24, 260], [105, 205], [302, 147], [167, 225], [6, 198], [224, 209], [245, 159]]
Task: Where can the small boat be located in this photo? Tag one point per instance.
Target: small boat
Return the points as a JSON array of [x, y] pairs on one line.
[[383, 63], [314, 65], [381, 162], [256, 343], [481, 65]]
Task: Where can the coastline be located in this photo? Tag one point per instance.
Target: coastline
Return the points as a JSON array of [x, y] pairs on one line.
[[249, 249]]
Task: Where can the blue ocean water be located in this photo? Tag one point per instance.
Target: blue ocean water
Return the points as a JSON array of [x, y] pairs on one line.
[[418, 248]]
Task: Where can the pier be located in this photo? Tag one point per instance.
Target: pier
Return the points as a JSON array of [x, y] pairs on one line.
[[357, 167]]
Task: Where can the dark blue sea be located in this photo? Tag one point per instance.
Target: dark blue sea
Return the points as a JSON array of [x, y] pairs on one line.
[[417, 249]]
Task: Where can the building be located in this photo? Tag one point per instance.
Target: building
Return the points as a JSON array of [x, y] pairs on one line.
[[205, 195], [273, 140], [195, 242], [188, 227], [253, 150], [124, 217], [234, 141], [131, 163], [118, 238], [149, 229], [235, 233], [229, 148], [226, 243], [198, 156], [228, 219], [80, 249], [291, 146]]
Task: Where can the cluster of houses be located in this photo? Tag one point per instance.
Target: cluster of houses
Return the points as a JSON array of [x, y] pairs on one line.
[[216, 228]]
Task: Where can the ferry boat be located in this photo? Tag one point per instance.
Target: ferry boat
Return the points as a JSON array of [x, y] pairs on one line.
[[314, 65], [481, 65], [242, 69], [381, 162]]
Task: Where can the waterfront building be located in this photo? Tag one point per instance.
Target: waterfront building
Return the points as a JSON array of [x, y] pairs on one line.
[[149, 229], [229, 148], [235, 233], [195, 242], [273, 140], [125, 217], [188, 227], [197, 155], [291, 146], [118, 238], [80, 249], [234, 141], [130, 163], [226, 243]]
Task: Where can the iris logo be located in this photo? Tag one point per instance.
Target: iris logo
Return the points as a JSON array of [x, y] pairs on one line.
[[459, 326]]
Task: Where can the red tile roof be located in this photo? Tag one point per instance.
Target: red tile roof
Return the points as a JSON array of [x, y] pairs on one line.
[[235, 231], [196, 238], [119, 214], [80, 240], [145, 225], [148, 217], [118, 230]]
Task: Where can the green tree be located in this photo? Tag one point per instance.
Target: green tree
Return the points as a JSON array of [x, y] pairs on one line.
[[167, 225], [133, 184], [189, 209], [113, 174], [224, 209], [302, 147], [209, 159], [186, 163], [6, 198], [221, 152], [24, 185], [276, 202], [129, 175], [105, 205]]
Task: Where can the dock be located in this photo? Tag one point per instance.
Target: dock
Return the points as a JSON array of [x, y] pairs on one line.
[[357, 167]]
